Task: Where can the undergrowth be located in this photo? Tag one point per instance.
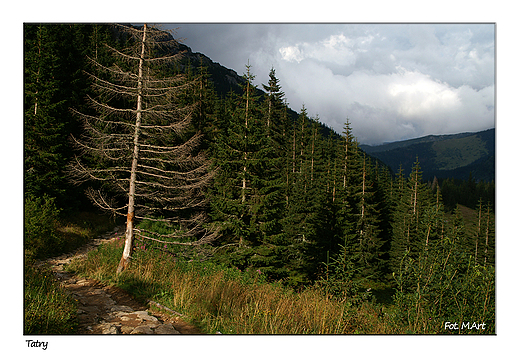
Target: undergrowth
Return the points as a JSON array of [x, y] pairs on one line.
[[47, 308], [231, 301], [228, 300]]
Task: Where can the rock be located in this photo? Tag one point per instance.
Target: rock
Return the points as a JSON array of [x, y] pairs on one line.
[[141, 313], [97, 291], [127, 329], [109, 328], [125, 318], [166, 328], [121, 309], [145, 316], [142, 330]]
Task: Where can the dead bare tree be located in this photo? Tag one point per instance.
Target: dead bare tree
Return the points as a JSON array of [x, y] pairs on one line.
[[143, 146]]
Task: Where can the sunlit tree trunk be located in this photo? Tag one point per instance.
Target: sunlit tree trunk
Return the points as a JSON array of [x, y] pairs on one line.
[[129, 235]]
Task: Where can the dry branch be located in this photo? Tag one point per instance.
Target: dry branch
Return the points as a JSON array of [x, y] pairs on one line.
[[146, 147]]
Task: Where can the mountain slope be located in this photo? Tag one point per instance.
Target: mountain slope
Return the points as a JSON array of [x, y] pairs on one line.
[[225, 80], [442, 156]]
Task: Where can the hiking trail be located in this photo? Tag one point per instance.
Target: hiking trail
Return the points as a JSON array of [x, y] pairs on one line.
[[106, 309]]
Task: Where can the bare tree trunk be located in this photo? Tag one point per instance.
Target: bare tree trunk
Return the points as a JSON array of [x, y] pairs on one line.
[[346, 163], [294, 152], [314, 135], [415, 195], [478, 230], [244, 181], [363, 190], [487, 238], [129, 236], [145, 155], [269, 117], [334, 184]]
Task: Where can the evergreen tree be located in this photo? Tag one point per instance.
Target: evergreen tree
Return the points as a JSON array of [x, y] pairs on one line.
[[479, 235], [55, 60], [347, 186], [368, 222], [383, 186], [489, 236], [240, 198], [410, 227], [275, 109]]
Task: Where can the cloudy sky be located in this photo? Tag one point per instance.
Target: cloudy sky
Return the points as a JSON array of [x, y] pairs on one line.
[[392, 81]]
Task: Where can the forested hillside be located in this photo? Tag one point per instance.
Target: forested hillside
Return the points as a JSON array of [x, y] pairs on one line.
[[117, 115], [443, 156]]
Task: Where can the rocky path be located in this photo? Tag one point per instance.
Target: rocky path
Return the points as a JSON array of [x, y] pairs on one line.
[[109, 310]]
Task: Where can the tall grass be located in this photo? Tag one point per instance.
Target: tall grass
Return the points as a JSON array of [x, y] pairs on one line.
[[48, 308], [228, 300]]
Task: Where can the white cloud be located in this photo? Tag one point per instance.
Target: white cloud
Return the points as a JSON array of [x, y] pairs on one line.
[[393, 81], [416, 94], [291, 54], [388, 107], [337, 48]]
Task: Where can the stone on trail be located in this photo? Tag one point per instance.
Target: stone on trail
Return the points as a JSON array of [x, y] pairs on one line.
[[121, 308], [166, 328], [142, 330], [108, 328]]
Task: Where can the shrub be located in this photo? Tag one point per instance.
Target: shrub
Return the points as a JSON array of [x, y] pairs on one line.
[[41, 218], [343, 281]]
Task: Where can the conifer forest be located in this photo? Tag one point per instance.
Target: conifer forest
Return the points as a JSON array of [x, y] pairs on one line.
[[118, 120]]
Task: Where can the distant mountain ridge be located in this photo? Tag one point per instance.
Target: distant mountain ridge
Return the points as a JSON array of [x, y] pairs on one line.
[[442, 156]]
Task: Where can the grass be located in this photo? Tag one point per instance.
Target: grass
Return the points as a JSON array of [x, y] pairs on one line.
[[82, 227], [228, 300], [48, 309]]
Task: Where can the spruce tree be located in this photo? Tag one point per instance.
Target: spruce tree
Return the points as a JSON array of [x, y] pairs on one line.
[[383, 186], [489, 236], [55, 60], [347, 186], [238, 195], [410, 228], [275, 110], [478, 234], [368, 223]]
